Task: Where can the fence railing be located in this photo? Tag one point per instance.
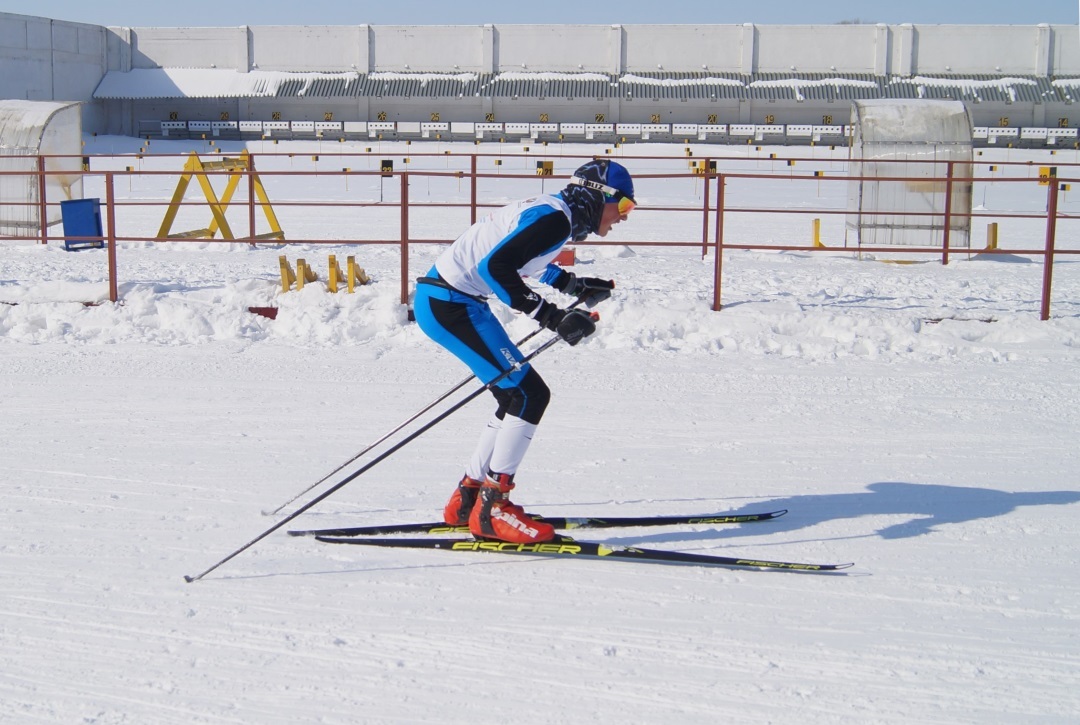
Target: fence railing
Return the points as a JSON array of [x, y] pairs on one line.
[[724, 196]]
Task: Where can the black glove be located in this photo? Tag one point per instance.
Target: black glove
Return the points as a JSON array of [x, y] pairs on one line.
[[586, 286], [572, 325], [576, 325], [549, 315]]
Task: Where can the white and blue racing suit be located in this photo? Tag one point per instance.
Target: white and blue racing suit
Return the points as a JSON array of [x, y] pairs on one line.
[[450, 305]]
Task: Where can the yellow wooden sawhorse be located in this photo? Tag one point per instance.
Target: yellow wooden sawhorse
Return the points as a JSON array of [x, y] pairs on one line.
[[194, 166]]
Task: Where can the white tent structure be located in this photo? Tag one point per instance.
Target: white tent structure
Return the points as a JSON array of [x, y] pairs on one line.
[[900, 153], [29, 130]]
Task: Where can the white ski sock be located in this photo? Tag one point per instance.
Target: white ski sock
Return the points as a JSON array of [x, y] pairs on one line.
[[511, 444], [478, 465]]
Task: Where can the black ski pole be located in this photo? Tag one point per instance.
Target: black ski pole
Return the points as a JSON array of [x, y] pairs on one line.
[[386, 454], [590, 301]]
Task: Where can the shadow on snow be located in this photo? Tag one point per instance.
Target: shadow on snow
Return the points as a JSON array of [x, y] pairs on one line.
[[926, 508]]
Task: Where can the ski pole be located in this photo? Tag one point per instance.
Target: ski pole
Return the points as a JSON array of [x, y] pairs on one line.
[[382, 456], [590, 301]]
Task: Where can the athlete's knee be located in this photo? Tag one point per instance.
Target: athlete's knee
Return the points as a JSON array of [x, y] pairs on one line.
[[533, 399], [505, 399]]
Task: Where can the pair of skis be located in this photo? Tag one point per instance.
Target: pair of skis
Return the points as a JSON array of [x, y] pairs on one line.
[[565, 546]]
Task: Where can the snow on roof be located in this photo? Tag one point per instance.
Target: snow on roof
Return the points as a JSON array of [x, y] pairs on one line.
[[965, 82], [148, 83], [424, 78], [547, 76], [797, 84], [707, 81], [203, 83], [1005, 85]]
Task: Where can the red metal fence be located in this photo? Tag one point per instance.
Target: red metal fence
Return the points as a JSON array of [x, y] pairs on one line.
[[715, 209]]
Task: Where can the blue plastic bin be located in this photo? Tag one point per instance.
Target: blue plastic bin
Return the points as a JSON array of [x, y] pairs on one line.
[[82, 218]]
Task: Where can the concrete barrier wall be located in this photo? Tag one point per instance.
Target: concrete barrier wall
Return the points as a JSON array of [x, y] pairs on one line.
[[399, 48], [49, 60], [877, 49], [195, 48], [647, 48], [986, 49], [42, 59]]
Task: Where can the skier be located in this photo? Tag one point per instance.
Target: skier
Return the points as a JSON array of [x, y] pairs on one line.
[[450, 306]]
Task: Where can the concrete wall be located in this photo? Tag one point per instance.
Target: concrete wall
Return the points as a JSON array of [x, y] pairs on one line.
[[42, 59], [557, 48], [194, 47], [306, 48], [648, 48], [875, 49], [49, 60], [400, 48], [819, 48], [984, 49]]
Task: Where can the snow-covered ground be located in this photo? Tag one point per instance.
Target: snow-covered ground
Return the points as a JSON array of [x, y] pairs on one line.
[[919, 420]]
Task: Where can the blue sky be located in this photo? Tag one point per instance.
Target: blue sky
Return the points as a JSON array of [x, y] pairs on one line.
[[430, 12]]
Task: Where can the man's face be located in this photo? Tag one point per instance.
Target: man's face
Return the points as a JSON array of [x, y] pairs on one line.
[[609, 218]]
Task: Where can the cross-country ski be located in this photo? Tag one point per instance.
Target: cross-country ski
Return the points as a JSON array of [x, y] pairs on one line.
[[563, 523], [566, 547]]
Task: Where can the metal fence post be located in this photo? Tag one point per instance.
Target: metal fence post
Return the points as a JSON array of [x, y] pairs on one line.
[[705, 217], [405, 238], [472, 187], [43, 206], [1048, 256], [110, 216], [718, 269], [251, 197], [948, 213]]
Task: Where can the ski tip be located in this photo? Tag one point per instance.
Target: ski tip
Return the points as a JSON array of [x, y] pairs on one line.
[[835, 568]]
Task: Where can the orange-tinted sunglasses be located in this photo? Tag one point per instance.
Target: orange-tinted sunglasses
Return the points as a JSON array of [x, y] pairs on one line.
[[626, 204], [611, 194]]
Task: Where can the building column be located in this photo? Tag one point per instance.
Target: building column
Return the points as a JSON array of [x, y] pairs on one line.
[[903, 50], [881, 49], [748, 44], [1042, 50]]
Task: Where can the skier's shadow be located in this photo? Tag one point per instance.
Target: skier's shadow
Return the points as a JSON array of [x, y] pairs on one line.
[[924, 508]]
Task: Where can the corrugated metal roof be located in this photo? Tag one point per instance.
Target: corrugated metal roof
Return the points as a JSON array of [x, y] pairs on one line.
[[1065, 88], [220, 83], [684, 85], [427, 85], [321, 87], [815, 86], [550, 85], [767, 86], [975, 87], [209, 83]]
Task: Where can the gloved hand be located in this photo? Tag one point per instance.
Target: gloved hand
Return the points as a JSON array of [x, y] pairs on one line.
[[572, 325], [579, 286], [576, 325], [549, 315]]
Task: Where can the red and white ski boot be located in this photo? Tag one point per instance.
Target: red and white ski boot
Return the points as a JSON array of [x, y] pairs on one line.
[[461, 502], [494, 517]]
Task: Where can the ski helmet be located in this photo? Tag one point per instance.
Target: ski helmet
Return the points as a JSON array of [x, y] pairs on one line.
[[611, 178]]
